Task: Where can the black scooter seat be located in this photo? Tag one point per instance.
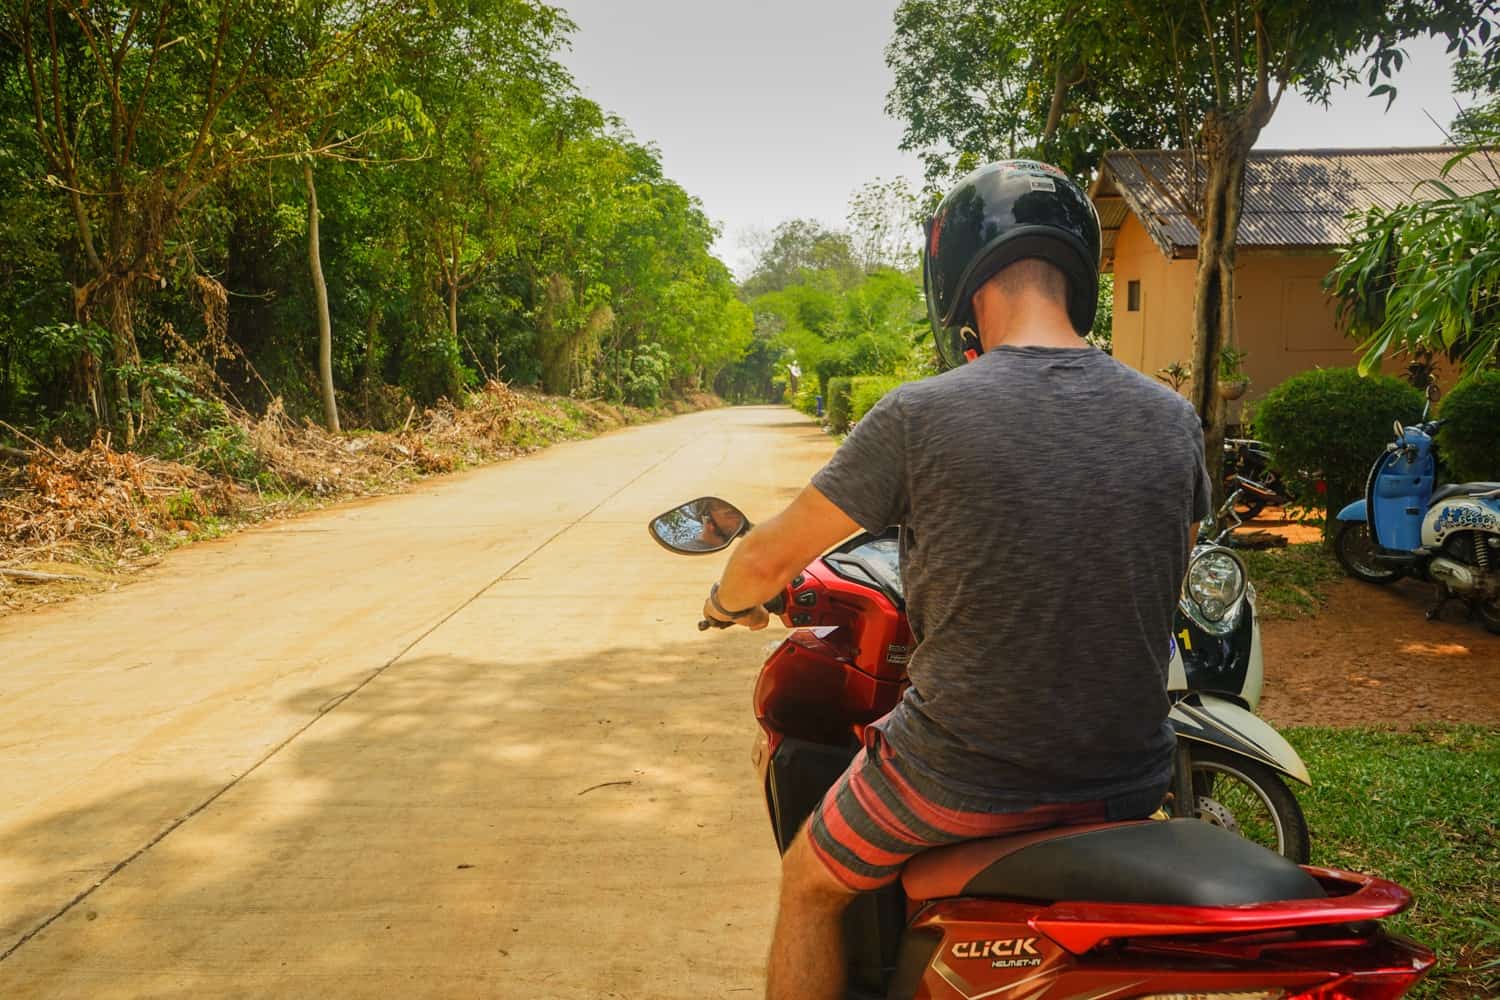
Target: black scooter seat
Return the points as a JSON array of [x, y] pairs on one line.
[[1463, 490], [1175, 862]]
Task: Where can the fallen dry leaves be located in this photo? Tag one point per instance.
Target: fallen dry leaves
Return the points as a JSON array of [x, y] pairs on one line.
[[104, 507]]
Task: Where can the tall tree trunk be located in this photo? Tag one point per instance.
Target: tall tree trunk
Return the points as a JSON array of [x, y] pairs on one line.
[[1228, 137], [372, 331], [1228, 148], [320, 289], [119, 289], [1064, 78], [108, 387], [453, 311]]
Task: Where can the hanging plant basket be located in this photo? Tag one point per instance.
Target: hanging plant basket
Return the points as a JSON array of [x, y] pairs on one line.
[[1232, 389]]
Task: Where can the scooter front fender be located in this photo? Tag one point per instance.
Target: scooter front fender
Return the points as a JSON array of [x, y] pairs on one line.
[[1204, 718], [1354, 512]]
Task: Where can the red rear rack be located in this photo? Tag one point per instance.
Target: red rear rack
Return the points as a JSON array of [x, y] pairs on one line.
[[1079, 927]]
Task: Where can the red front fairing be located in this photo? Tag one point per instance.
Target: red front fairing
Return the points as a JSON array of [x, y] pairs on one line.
[[995, 948], [842, 669]]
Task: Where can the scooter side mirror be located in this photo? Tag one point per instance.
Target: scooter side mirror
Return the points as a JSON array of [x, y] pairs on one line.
[[699, 527]]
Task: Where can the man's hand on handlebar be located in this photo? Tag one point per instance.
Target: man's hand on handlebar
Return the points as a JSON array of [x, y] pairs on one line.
[[756, 620], [772, 554]]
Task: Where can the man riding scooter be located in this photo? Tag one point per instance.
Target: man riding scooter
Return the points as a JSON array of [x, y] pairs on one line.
[[981, 467]]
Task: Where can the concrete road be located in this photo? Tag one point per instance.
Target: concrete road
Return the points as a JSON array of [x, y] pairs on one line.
[[464, 742]]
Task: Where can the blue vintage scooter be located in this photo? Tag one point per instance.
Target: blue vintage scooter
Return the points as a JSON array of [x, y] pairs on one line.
[[1408, 526]]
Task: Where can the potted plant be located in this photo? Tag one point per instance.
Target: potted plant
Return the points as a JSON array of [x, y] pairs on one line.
[[1176, 375], [1232, 378]]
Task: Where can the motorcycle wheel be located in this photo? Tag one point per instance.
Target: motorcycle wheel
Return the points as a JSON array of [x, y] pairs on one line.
[[1249, 509], [1356, 553], [1489, 613], [1248, 798]]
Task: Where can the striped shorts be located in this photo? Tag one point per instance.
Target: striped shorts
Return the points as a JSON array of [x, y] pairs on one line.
[[872, 821]]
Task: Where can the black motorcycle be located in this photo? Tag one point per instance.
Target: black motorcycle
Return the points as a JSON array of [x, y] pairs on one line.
[[1247, 468]]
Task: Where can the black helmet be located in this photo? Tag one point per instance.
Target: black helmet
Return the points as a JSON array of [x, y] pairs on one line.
[[1001, 213]]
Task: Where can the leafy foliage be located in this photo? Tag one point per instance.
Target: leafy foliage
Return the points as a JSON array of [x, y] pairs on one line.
[[869, 328], [839, 404], [1063, 79], [867, 390], [885, 225], [799, 249], [1102, 335], [1425, 277], [1469, 441], [480, 219], [980, 80], [1329, 425], [806, 399]]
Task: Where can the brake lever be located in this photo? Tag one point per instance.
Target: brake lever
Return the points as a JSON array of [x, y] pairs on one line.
[[708, 623]]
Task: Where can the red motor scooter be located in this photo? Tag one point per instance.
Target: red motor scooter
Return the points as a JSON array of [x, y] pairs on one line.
[[1154, 909]]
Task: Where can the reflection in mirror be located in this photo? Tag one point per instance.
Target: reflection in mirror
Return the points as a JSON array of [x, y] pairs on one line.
[[700, 526]]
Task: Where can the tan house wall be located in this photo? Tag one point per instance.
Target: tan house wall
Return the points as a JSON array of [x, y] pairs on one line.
[[1285, 322], [1162, 330]]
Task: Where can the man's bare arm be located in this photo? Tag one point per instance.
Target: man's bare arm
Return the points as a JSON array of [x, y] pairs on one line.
[[778, 549]]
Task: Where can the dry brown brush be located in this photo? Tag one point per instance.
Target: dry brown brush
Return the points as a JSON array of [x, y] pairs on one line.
[[99, 504]]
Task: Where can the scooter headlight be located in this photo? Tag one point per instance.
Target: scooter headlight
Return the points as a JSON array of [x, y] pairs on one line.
[[1215, 582]]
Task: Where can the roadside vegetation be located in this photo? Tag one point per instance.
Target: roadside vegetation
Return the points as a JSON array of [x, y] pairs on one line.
[[74, 519], [1421, 808], [348, 209]]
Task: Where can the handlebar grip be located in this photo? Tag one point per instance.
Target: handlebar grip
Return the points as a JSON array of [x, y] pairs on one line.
[[777, 604]]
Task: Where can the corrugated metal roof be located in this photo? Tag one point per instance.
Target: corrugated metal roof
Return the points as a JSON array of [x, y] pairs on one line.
[[1293, 198]]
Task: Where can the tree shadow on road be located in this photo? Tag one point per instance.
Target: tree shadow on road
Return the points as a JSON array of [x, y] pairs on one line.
[[565, 827]]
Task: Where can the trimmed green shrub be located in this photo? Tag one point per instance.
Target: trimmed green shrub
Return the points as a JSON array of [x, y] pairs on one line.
[[1330, 424], [867, 390], [806, 399], [838, 405], [1469, 441]]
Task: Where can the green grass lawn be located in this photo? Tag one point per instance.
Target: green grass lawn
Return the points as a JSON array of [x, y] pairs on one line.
[[1420, 808], [1290, 582]]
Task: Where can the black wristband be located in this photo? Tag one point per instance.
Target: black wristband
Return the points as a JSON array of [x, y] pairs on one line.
[[713, 598]]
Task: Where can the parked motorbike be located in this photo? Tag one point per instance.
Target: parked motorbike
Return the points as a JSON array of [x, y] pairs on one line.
[[1247, 467], [1148, 909], [1406, 525]]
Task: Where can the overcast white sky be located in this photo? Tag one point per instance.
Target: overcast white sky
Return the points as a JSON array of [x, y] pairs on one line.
[[775, 109]]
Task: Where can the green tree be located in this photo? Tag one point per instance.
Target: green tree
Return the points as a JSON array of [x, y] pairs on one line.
[[362, 204], [802, 247], [1213, 70], [885, 225], [981, 80], [1424, 278], [138, 110]]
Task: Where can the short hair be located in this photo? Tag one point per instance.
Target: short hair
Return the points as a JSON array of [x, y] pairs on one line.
[[1033, 274]]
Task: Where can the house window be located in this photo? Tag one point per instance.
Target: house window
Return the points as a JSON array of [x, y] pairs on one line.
[[1133, 297]]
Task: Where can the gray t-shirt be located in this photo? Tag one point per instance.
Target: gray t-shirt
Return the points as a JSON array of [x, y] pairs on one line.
[[1045, 497]]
